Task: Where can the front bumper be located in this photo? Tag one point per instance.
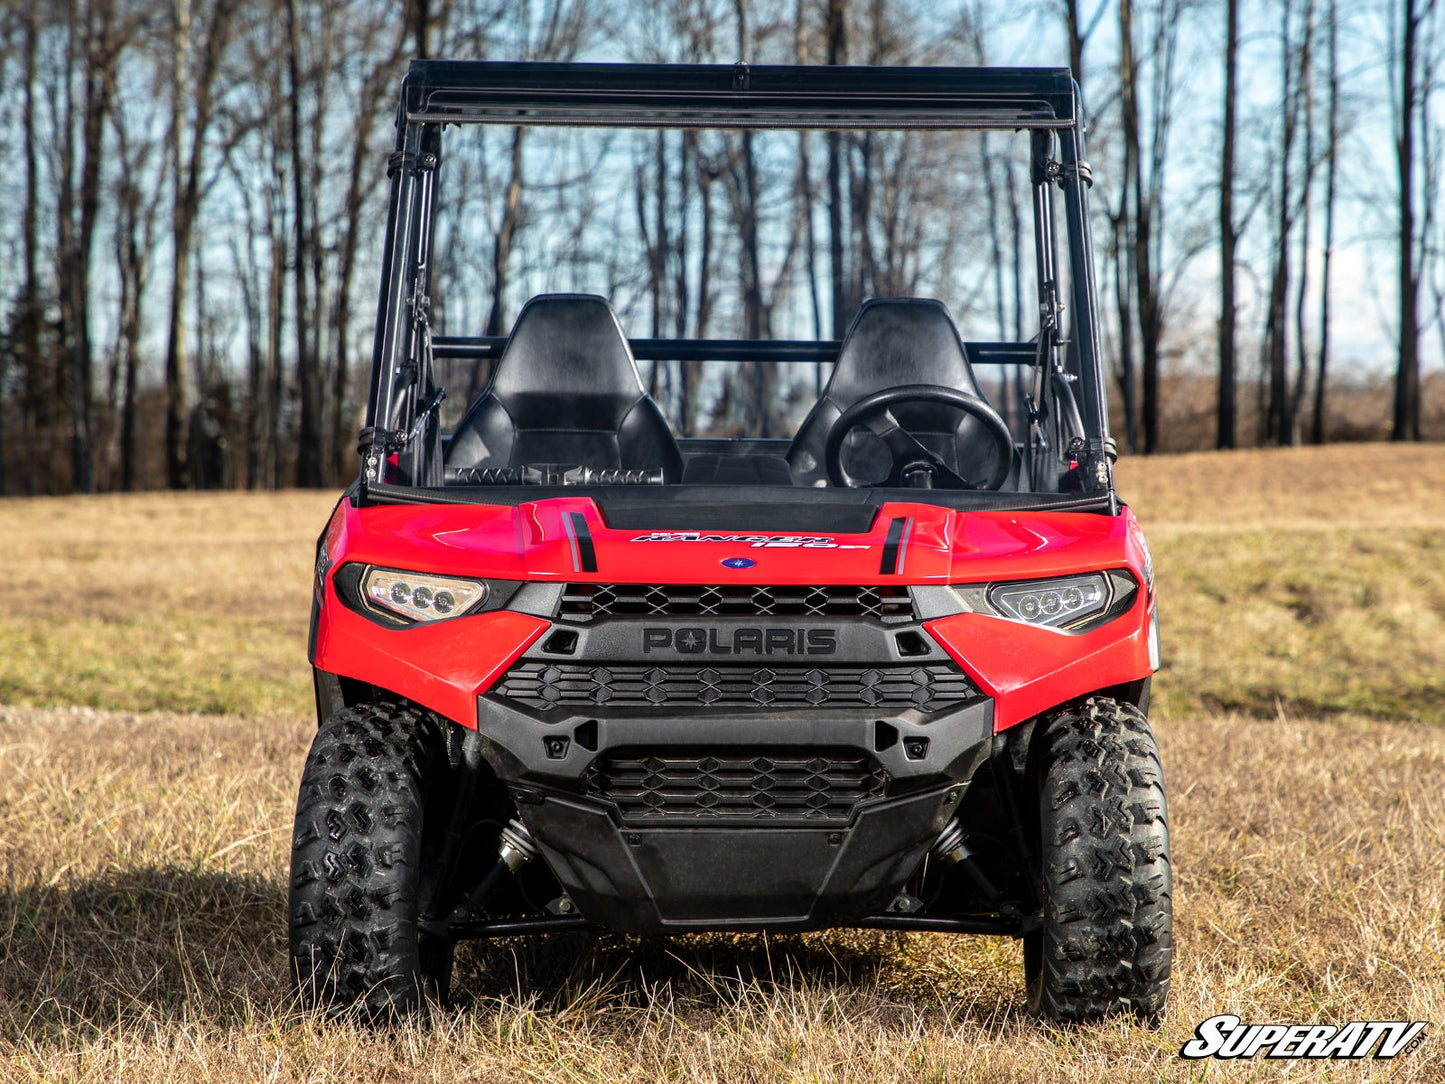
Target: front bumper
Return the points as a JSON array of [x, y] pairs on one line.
[[658, 813]]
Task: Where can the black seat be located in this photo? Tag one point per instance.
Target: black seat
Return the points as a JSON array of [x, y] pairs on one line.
[[566, 391], [895, 341]]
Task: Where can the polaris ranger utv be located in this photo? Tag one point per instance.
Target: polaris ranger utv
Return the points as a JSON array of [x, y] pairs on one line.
[[573, 671]]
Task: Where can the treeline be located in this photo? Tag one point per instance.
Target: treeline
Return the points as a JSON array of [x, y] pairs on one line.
[[198, 198]]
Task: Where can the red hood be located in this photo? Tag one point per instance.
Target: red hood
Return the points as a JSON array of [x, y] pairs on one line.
[[908, 543]]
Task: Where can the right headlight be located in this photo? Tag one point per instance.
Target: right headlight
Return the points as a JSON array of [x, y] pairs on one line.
[[1063, 602], [403, 598], [421, 596]]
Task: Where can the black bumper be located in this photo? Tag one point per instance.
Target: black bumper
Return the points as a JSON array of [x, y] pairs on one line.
[[657, 813]]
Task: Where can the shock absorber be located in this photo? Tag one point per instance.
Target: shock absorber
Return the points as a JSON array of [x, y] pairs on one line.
[[515, 848], [952, 847]]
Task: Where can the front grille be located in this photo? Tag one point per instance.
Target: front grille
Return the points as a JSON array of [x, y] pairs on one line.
[[548, 685], [814, 784], [592, 601]]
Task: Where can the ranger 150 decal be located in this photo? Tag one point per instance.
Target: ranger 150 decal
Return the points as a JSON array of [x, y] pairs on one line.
[[745, 641], [756, 541]]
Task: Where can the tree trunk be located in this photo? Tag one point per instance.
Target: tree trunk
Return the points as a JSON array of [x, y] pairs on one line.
[[186, 200], [506, 231], [837, 54], [309, 457], [1276, 420], [1132, 219], [1317, 423], [27, 326], [1306, 91], [1226, 411], [1406, 421]]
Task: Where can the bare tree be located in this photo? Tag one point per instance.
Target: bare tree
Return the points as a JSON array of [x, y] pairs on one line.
[[1145, 165], [137, 211], [193, 101], [1410, 115], [1225, 414], [27, 327], [837, 53], [1332, 154], [1294, 58]]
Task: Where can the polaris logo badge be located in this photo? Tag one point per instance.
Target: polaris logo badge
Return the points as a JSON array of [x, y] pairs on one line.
[[756, 541], [1226, 1036], [744, 641]]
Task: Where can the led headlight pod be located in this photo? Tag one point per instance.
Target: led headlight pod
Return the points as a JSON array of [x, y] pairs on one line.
[[420, 596], [1056, 604]]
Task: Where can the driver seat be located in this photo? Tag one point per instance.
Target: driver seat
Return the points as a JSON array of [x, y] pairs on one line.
[[566, 391], [895, 341]]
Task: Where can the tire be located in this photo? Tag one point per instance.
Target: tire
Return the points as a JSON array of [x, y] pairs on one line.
[[1106, 941], [358, 870]]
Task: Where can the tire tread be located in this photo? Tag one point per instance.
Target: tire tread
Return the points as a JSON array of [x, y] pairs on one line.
[[1106, 943], [355, 867]]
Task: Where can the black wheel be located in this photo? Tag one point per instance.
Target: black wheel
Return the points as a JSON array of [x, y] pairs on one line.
[[1106, 940], [359, 874]]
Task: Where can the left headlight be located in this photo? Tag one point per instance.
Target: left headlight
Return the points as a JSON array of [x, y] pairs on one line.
[[1065, 602], [420, 596]]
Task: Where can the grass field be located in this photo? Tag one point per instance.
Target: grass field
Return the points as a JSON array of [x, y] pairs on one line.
[[152, 664]]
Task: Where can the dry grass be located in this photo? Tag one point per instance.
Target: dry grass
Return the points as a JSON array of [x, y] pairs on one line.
[[143, 855], [1305, 580], [189, 602]]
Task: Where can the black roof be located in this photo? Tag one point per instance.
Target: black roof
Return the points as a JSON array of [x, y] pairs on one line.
[[738, 95]]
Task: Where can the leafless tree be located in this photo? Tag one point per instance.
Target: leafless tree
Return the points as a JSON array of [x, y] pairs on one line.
[[1225, 413], [1411, 105], [193, 110]]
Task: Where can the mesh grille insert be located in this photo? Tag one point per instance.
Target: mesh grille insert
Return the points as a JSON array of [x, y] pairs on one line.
[[812, 784], [932, 687], [590, 601]]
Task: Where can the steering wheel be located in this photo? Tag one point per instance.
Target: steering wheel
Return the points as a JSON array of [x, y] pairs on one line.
[[913, 464]]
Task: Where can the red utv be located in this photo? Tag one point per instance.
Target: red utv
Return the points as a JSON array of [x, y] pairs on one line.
[[575, 671]]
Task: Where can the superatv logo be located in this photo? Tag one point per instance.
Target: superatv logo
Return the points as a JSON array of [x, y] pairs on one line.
[[755, 541], [744, 641], [1226, 1036]]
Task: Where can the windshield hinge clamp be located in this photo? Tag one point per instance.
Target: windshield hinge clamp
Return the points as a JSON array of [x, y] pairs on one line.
[[413, 161], [1076, 171]]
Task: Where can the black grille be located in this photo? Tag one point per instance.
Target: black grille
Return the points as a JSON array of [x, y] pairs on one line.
[[589, 601], [546, 685], [814, 784]]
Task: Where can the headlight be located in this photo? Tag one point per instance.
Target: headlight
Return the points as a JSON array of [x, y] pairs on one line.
[[420, 596], [1060, 603]]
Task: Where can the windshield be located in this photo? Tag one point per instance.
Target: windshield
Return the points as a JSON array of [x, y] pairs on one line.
[[738, 307]]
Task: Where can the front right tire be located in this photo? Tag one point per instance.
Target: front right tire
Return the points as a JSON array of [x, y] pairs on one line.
[[1105, 946]]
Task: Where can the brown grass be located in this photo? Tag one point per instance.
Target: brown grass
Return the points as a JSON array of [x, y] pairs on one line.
[[143, 855], [191, 602]]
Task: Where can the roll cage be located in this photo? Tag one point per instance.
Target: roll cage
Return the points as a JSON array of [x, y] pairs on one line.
[[1067, 411]]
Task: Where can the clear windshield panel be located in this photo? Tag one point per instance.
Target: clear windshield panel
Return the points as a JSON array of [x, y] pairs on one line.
[[747, 308]]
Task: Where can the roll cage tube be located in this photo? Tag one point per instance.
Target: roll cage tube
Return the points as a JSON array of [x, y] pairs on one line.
[[402, 363], [434, 93]]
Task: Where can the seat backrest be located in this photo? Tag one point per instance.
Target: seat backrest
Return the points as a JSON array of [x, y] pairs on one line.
[[892, 341], [566, 390]]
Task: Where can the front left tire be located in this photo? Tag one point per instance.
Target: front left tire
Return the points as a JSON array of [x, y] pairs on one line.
[[359, 881]]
